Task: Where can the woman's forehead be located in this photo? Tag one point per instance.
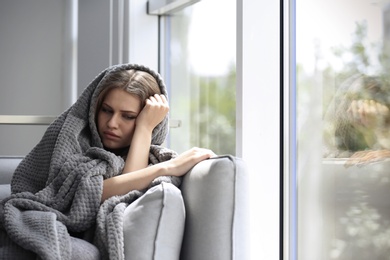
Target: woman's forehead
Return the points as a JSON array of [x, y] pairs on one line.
[[119, 99]]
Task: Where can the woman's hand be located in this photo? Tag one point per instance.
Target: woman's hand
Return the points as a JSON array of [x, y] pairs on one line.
[[185, 161], [140, 178], [154, 111], [369, 113], [372, 119], [361, 158]]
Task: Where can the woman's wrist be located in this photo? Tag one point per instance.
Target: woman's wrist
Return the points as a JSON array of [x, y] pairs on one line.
[[145, 129], [164, 168]]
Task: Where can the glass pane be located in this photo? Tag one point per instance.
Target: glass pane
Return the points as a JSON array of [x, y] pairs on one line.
[[343, 129], [201, 75]]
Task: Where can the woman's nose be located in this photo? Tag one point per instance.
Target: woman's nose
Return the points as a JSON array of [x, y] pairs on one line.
[[112, 121]]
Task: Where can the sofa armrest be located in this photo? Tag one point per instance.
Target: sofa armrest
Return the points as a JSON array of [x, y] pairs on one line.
[[216, 198]]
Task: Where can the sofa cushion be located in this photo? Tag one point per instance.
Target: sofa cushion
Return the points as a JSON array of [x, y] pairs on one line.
[[82, 249], [154, 224]]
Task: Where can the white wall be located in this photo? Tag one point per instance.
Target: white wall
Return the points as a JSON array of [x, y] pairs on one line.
[[31, 44], [93, 40], [30, 56], [50, 50]]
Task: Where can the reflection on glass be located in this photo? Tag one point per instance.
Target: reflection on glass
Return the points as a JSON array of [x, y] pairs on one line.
[[343, 129], [359, 117], [202, 76]]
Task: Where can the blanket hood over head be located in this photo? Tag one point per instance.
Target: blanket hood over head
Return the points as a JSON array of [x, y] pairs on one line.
[[75, 131], [160, 132], [58, 185]]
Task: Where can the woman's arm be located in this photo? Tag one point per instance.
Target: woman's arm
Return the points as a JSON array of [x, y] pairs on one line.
[[155, 110], [136, 175], [140, 179], [136, 180]]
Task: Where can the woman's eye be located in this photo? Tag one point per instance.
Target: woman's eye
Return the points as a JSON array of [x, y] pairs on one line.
[[105, 110], [129, 117]]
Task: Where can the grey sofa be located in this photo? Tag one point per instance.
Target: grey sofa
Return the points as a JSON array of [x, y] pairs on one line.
[[215, 195]]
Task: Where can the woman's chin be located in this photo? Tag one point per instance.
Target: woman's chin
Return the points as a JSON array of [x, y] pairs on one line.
[[117, 150]]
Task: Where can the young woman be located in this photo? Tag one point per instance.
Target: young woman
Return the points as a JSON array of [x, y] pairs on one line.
[[93, 160], [129, 108]]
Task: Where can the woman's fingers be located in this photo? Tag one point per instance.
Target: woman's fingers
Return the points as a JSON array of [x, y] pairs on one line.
[[199, 154], [368, 113], [158, 104], [185, 161], [158, 100], [155, 109]]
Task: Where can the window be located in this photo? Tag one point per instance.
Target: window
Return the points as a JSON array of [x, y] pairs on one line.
[[342, 124], [257, 97], [200, 71]]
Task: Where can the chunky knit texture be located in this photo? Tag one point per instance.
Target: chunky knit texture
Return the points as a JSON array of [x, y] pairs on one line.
[[57, 188]]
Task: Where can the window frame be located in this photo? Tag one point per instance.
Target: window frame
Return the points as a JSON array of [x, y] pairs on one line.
[[261, 64], [260, 70]]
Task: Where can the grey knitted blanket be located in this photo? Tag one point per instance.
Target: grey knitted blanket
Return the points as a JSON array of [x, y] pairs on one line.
[[57, 188]]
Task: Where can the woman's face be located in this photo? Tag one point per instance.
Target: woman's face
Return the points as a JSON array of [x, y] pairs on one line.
[[116, 118]]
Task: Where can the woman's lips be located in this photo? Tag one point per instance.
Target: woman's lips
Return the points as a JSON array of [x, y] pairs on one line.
[[111, 135]]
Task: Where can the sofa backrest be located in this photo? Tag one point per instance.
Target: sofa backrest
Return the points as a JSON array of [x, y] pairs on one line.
[[8, 165]]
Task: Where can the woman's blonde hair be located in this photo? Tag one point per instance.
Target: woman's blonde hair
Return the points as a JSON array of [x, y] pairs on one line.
[[135, 82]]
